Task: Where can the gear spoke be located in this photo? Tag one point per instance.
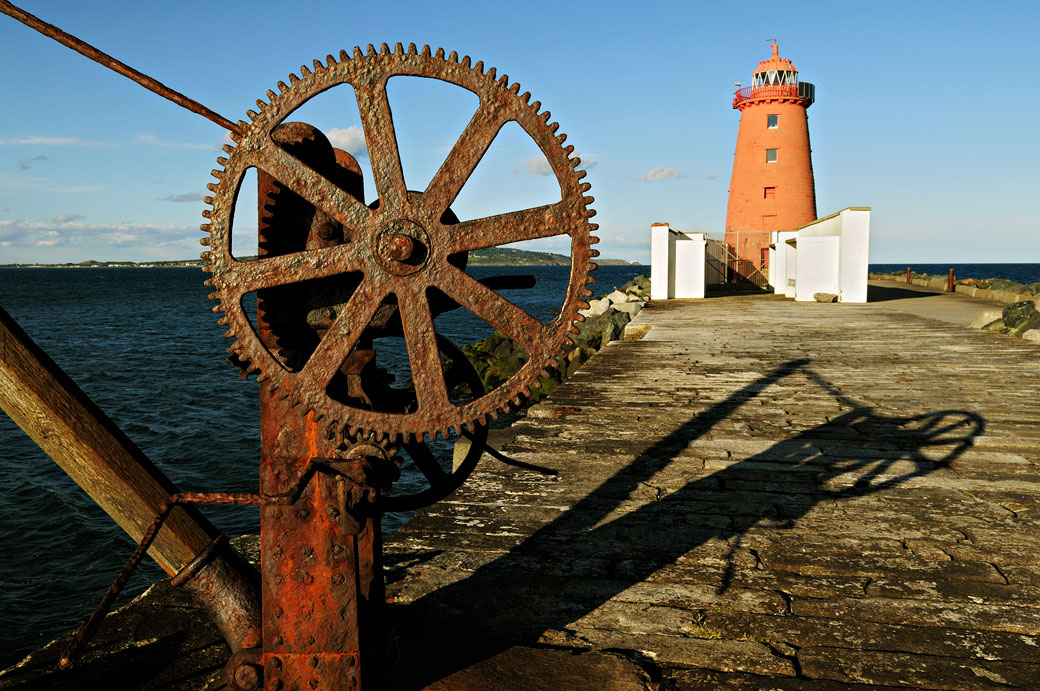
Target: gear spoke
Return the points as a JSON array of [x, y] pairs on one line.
[[311, 186], [268, 272], [529, 224], [427, 464], [343, 334], [471, 146], [500, 313], [423, 354], [378, 123]]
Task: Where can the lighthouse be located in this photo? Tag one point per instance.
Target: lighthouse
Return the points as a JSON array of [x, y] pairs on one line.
[[772, 184]]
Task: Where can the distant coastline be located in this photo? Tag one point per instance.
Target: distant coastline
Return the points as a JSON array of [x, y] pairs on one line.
[[495, 256]]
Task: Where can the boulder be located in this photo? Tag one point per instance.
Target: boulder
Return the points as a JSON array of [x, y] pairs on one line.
[[1032, 335], [997, 326], [597, 307], [986, 317], [631, 307], [825, 297], [617, 297], [1020, 317]]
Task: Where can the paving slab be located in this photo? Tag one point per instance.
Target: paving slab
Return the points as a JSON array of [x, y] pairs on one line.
[[758, 494]]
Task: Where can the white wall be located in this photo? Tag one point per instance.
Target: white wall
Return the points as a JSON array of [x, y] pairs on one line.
[[831, 256], [689, 265], [662, 262], [781, 261]]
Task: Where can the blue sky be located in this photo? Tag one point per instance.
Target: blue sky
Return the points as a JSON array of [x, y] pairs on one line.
[[925, 111]]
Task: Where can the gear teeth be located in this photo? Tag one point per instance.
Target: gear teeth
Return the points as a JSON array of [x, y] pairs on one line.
[[358, 53], [205, 227], [569, 149], [479, 67], [412, 50], [588, 293], [208, 200], [426, 50], [491, 73], [593, 253], [319, 66], [584, 187], [208, 283], [465, 61], [211, 186], [218, 174], [293, 79], [545, 115], [589, 199], [206, 213], [440, 53], [223, 161], [589, 213], [572, 329], [384, 49], [581, 317], [453, 56], [515, 88], [536, 105], [214, 296], [304, 72], [525, 97], [580, 174], [553, 126], [261, 105], [282, 87], [503, 81], [330, 61], [205, 240], [228, 149], [593, 226], [398, 49]]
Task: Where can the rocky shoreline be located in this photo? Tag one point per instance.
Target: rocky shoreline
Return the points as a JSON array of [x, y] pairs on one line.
[[497, 358]]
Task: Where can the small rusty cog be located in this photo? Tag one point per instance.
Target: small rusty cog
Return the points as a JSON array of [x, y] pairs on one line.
[[403, 249]]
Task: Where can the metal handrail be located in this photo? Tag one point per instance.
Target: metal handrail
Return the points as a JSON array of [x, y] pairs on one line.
[[800, 90]]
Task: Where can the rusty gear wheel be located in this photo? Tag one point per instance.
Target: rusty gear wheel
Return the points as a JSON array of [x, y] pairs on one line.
[[400, 246]]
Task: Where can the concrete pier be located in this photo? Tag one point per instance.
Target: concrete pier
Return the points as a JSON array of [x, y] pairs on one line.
[[759, 494]]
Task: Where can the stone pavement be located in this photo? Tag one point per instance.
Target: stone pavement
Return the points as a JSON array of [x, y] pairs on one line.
[[956, 308], [760, 494]]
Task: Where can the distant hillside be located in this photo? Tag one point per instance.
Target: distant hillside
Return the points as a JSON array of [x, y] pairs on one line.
[[494, 256], [504, 256]]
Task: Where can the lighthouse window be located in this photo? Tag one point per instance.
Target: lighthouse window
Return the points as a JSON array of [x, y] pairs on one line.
[[769, 193], [770, 155], [772, 121]]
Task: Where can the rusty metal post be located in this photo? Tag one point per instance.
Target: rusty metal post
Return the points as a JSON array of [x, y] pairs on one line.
[[908, 275], [321, 570], [950, 282]]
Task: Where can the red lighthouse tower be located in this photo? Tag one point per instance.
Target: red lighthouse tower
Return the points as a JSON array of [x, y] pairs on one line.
[[772, 185]]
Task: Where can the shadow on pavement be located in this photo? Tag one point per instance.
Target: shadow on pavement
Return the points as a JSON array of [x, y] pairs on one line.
[[595, 550]]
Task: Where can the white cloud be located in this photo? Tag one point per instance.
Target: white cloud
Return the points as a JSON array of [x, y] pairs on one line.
[[54, 142], [659, 173], [186, 197], [588, 161], [65, 232], [152, 140], [350, 139], [537, 165], [709, 176], [67, 218]]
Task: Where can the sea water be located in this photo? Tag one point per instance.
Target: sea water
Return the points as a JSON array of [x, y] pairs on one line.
[[145, 346]]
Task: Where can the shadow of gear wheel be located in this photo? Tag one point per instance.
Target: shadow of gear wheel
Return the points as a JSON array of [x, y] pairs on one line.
[[401, 245]]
